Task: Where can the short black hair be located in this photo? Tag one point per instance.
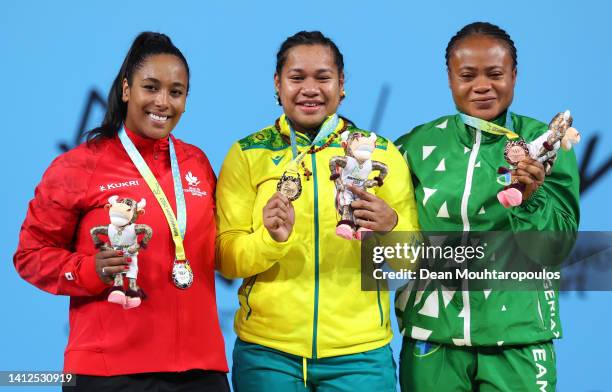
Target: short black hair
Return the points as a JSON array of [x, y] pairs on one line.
[[308, 38], [482, 28]]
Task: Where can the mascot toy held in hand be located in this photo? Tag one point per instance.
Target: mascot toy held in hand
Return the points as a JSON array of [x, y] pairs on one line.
[[123, 235], [544, 149], [354, 169]]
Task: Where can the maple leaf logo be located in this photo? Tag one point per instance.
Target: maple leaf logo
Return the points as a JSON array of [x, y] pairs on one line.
[[191, 179]]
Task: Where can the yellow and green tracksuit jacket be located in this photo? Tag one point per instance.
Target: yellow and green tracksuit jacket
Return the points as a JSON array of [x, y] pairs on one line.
[[302, 296]]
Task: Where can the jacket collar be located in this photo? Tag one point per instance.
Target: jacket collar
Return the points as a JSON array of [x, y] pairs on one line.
[[283, 125], [144, 144]]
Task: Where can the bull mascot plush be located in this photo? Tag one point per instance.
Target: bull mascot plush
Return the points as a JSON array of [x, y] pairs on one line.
[[354, 168], [544, 149], [122, 233]]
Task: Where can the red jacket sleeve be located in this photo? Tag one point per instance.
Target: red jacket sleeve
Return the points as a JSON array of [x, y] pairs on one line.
[[45, 255], [211, 177]]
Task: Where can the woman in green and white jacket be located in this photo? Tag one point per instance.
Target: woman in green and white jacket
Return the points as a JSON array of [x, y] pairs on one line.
[[486, 339]]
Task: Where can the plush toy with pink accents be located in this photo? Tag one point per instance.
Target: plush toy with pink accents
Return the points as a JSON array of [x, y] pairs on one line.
[[354, 169], [544, 149], [122, 234]]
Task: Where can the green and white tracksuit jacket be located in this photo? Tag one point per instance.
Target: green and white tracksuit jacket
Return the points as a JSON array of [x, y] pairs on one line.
[[454, 169]]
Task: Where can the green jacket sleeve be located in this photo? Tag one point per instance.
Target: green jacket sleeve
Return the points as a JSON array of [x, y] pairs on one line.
[[554, 211], [242, 249]]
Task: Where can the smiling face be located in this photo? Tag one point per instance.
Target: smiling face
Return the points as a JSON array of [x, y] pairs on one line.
[[156, 96], [309, 86], [481, 76]]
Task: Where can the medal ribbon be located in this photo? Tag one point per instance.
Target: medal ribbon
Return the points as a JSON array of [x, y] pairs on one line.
[[177, 228], [489, 127], [332, 124]]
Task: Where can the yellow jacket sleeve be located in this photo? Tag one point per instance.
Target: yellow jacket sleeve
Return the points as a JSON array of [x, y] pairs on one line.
[[243, 250], [398, 191]]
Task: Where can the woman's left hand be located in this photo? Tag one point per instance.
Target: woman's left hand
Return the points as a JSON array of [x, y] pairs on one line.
[[530, 173], [372, 212]]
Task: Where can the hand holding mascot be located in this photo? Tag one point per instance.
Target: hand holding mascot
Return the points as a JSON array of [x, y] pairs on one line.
[[544, 149], [123, 233], [354, 169]]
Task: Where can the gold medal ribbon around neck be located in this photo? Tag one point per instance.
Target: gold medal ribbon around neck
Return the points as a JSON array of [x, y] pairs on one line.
[[489, 127], [332, 124]]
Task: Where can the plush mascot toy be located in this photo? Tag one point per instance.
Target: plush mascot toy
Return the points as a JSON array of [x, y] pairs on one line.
[[354, 169], [123, 235], [544, 149]]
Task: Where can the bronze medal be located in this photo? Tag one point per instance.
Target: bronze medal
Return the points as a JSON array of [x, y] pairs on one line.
[[515, 151], [290, 185]]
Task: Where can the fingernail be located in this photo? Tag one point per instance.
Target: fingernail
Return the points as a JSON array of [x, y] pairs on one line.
[[127, 267], [119, 253], [129, 259]]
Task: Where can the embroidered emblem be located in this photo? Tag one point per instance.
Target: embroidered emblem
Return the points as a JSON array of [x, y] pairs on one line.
[[191, 179], [193, 183]]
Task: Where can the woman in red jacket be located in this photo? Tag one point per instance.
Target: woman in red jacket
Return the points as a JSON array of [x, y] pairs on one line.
[[86, 235]]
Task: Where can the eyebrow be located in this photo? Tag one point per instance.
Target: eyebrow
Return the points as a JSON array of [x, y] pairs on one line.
[[175, 84], [472, 68], [318, 70]]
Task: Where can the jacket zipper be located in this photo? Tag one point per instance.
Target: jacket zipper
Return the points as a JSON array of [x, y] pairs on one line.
[[465, 294], [316, 236]]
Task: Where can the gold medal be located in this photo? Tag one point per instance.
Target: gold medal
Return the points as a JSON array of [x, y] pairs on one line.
[[290, 185]]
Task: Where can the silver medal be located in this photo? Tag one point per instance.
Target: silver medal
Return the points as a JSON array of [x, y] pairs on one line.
[[182, 275]]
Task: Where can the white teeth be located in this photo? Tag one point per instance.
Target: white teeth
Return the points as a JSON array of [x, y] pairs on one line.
[[158, 118], [311, 104]]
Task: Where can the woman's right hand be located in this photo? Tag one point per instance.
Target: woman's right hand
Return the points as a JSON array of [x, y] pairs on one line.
[[279, 217], [109, 263]]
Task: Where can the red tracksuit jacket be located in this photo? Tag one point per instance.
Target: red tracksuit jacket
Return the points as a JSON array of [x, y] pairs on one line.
[[173, 330]]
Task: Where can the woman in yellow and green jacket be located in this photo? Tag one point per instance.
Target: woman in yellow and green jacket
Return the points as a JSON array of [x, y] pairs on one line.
[[304, 321]]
